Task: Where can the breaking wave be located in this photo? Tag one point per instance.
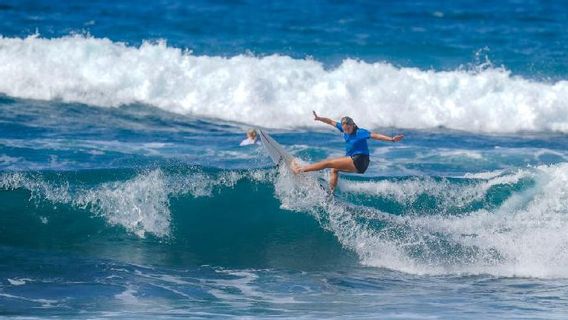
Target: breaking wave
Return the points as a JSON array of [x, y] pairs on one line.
[[277, 91]]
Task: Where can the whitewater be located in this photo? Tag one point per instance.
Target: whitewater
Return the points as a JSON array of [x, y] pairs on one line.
[[278, 91]]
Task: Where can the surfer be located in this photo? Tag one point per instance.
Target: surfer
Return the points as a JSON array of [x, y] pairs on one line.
[[251, 138], [356, 150]]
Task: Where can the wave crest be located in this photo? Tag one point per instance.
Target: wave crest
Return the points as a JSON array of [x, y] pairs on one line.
[[277, 91]]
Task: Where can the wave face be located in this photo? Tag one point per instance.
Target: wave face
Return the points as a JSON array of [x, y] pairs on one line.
[[498, 223], [164, 216], [277, 91]]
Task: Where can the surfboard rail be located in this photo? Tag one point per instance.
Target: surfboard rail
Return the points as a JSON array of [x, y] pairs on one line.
[[276, 152]]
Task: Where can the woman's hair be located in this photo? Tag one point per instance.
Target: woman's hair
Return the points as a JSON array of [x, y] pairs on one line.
[[251, 132], [347, 120]]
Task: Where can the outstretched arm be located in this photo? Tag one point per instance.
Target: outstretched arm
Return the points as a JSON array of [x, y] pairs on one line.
[[324, 120], [378, 136]]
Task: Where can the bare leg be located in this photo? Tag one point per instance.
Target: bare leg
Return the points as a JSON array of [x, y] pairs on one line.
[[342, 164], [338, 164]]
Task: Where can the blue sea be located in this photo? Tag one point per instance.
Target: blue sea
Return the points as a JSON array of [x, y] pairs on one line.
[[124, 193]]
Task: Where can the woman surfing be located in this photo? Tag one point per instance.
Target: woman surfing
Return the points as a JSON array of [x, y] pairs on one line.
[[356, 150]]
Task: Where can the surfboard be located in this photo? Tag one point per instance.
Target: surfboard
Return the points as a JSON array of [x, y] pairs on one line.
[[280, 156], [274, 149]]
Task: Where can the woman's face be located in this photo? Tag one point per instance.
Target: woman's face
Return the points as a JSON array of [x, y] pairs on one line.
[[347, 128]]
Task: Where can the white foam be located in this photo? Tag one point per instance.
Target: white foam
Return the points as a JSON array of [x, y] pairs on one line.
[[525, 236], [484, 175], [461, 154], [299, 192], [128, 296], [140, 205], [446, 192], [241, 280], [19, 282], [277, 91], [44, 303]]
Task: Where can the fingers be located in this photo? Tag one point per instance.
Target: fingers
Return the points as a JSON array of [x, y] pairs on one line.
[[295, 166], [396, 138], [297, 169]]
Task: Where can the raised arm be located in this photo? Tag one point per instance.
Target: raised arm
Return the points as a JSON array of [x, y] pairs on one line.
[[324, 120], [380, 137]]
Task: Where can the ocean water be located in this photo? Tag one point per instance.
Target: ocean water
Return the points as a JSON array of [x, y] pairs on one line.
[[124, 192]]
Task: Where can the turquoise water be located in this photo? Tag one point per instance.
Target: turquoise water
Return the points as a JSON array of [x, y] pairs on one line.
[[125, 193]]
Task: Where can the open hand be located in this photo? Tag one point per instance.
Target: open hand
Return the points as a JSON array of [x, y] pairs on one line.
[[397, 138], [316, 118]]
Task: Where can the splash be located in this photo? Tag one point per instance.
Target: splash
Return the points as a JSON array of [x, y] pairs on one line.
[[521, 236]]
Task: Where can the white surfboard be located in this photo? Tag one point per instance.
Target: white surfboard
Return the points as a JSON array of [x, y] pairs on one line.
[[281, 157], [274, 149]]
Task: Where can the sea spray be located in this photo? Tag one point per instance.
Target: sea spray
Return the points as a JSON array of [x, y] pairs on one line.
[[521, 235]]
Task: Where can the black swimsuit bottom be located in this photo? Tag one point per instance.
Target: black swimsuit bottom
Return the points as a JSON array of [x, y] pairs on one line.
[[361, 162]]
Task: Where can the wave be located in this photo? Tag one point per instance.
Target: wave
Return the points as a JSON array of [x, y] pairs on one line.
[[508, 225], [140, 204], [277, 91], [164, 216], [499, 223]]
